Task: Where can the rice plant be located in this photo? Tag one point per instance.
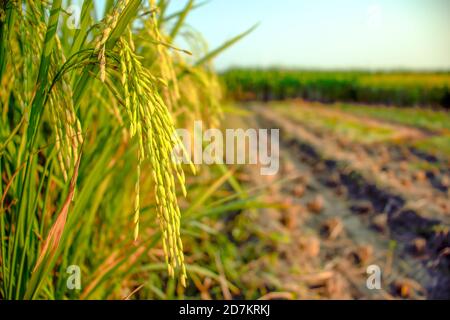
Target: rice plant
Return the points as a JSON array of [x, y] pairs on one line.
[[87, 129]]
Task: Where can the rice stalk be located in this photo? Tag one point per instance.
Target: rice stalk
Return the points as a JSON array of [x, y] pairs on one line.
[[109, 24], [151, 122]]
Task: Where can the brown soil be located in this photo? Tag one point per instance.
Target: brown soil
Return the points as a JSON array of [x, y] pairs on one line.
[[345, 207]]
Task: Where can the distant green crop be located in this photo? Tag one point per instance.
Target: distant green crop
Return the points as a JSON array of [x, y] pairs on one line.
[[389, 88]]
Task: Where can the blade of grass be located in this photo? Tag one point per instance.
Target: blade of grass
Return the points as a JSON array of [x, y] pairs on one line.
[[178, 13], [181, 18], [224, 46], [48, 251], [42, 81], [209, 191]]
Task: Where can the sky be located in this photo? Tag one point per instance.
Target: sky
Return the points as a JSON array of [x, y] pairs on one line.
[[328, 34]]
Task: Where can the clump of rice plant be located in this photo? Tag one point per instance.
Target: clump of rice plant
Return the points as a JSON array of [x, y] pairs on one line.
[[87, 125]]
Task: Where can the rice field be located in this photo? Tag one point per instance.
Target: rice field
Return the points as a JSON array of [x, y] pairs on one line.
[[93, 207]]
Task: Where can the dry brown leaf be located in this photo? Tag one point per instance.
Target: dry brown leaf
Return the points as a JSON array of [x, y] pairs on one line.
[[55, 233]]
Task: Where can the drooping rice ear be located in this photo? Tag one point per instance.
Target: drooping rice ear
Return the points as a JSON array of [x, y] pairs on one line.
[[150, 120]]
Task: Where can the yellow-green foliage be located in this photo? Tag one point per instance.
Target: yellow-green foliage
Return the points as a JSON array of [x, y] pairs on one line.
[[109, 94]]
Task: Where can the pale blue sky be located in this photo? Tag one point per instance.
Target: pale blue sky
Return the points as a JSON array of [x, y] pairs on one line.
[[368, 34], [330, 33]]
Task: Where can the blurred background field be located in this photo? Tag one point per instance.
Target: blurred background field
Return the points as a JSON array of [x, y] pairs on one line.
[[365, 138], [388, 88]]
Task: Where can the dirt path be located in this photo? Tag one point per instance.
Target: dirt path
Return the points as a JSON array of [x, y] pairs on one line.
[[337, 222]]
